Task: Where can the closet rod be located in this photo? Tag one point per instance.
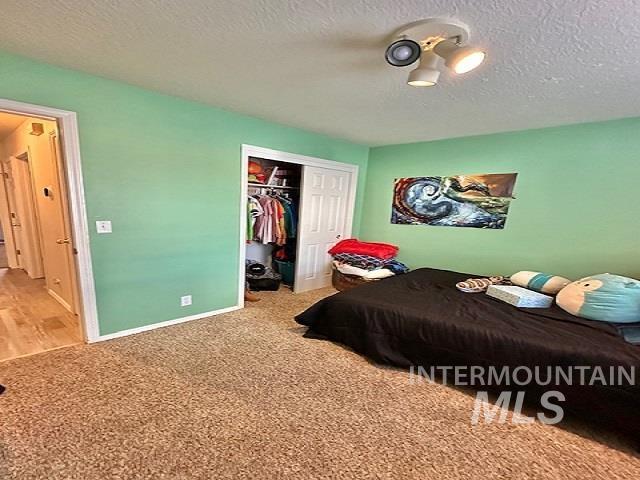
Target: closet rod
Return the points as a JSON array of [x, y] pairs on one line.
[[262, 185]]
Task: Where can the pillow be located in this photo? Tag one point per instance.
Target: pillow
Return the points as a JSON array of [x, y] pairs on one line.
[[605, 297], [539, 282]]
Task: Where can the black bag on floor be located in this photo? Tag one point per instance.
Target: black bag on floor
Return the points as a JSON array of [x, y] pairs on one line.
[[261, 278], [263, 284]]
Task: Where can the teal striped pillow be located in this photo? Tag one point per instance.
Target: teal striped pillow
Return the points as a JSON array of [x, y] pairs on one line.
[[540, 282]]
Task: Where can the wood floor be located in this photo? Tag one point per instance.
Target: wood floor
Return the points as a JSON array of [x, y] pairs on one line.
[[4, 263], [31, 321]]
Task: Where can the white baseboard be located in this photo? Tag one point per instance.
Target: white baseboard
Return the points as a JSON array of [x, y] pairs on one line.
[[59, 299], [167, 323]]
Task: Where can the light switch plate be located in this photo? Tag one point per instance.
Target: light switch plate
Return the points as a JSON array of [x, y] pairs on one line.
[[103, 226]]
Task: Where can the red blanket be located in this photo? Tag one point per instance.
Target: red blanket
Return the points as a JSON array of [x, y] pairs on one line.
[[384, 251]]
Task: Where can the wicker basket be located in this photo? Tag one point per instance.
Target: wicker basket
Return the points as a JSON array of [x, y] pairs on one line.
[[343, 282]]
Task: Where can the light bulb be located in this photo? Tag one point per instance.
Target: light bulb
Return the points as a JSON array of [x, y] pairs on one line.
[[469, 62], [457, 58]]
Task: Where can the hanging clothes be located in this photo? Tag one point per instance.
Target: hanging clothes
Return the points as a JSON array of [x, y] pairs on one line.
[[290, 218], [274, 220], [254, 210], [264, 224], [278, 226]]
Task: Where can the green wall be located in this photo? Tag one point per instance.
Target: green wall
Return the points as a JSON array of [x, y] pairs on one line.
[[576, 211], [167, 173]]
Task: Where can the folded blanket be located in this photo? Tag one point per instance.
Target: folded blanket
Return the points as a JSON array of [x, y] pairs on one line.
[[384, 251], [376, 274], [379, 274], [366, 262], [396, 267]]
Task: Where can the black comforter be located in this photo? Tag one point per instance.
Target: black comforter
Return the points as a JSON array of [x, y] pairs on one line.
[[421, 319]]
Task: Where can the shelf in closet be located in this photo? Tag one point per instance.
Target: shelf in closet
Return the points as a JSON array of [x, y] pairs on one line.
[[280, 187]]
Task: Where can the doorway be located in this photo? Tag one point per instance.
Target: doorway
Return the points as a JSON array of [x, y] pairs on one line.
[[41, 302], [321, 195], [4, 263]]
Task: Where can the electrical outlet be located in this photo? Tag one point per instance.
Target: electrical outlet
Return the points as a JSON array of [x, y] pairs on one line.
[[103, 226], [185, 300]]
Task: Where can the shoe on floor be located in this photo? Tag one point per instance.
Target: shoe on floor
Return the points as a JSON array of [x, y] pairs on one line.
[[250, 296]]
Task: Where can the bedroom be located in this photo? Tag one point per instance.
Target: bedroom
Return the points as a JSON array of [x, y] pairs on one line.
[[164, 97]]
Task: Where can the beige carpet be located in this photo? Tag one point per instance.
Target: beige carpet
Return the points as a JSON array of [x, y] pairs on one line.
[[243, 395]]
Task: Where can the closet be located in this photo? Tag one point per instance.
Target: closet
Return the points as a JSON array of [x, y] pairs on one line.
[[273, 206], [296, 209]]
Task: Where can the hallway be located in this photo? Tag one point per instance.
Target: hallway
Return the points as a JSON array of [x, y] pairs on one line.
[[31, 321]]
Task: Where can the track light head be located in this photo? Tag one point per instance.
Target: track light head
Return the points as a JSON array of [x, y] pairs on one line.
[[427, 73], [457, 58], [403, 53]]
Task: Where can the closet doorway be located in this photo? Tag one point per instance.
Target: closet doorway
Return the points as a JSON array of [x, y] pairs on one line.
[[294, 208]]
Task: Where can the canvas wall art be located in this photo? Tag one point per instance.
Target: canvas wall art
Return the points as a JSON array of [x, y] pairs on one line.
[[480, 201]]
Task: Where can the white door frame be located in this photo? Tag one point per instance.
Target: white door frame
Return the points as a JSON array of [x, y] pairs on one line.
[[70, 142], [280, 156]]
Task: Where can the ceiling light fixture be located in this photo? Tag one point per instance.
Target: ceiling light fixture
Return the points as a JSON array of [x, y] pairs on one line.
[[427, 73], [429, 40]]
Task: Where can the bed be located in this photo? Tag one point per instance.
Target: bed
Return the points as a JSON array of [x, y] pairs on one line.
[[421, 319]]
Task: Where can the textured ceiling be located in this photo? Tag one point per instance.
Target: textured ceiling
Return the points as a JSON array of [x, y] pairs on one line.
[[319, 65], [8, 123]]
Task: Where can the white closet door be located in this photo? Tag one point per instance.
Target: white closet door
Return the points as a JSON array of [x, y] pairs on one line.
[[322, 223]]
